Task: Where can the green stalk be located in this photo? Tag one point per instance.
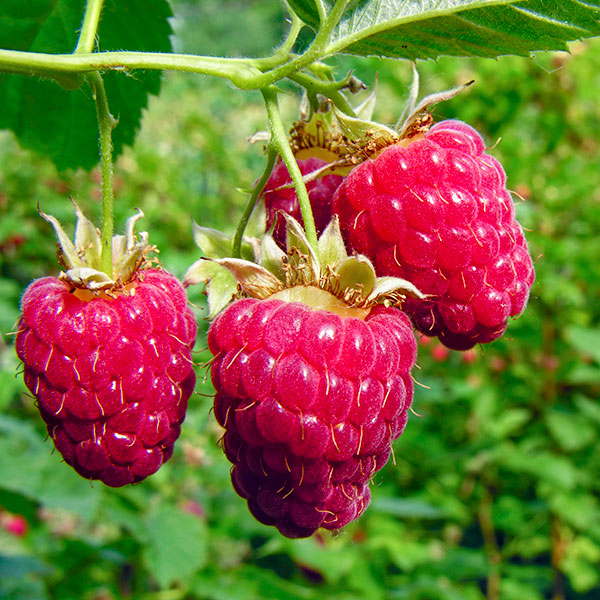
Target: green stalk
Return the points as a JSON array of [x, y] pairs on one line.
[[329, 89], [242, 72], [282, 54], [87, 36], [106, 123], [256, 191], [280, 142], [316, 51]]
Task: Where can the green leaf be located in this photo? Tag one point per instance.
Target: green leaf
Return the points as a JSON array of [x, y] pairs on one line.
[[507, 423], [581, 564], [407, 508], [584, 340], [571, 431], [20, 566], [35, 471], [579, 510], [556, 470], [427, 29], [62, 124], [176, 544]]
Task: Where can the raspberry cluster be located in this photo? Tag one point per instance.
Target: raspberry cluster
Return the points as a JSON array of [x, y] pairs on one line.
[[112, 375], [437, 213], [310, 402], [279, 200]]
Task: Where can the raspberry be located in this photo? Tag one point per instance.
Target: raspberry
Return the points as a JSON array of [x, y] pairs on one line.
[[310, 402], [320, 193], [437, 213], [112, 374]]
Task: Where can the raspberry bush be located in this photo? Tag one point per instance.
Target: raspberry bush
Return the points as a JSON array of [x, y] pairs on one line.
[[310, 352]]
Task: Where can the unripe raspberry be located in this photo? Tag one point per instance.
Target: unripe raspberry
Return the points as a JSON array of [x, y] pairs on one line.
[[112, 374], [437, 213]]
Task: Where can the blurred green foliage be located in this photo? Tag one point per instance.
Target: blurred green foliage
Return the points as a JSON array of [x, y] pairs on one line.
[[494, 490]]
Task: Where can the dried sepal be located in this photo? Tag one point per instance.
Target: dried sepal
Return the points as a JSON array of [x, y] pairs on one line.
[[68, 257], [253, 279], [88, 278], [420, 119], [82, 259], [129, 251]]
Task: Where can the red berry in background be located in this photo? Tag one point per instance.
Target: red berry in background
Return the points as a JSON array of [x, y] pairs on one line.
[[437, 213], [16, 525], [440, 353], [310, 402], [112, 374], [284, 200]]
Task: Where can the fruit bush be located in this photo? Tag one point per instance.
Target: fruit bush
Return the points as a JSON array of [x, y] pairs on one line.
[[492, 491]]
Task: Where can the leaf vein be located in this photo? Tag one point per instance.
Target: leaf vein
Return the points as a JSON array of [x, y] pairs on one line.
[[546, 18]]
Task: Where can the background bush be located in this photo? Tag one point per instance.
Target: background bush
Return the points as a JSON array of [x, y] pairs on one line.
[[494, 490]]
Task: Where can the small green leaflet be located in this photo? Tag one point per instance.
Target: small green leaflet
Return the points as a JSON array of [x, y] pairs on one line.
[[432, 28], [62, 124]]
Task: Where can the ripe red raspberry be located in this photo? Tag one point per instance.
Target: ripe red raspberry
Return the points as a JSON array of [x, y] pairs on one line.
[[437, 212], [310, 402], [284, 200], [112, 375]]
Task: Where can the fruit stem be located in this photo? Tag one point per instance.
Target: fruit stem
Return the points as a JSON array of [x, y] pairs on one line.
[[280, 142], [106, 123], [254, 194], [89, 28]]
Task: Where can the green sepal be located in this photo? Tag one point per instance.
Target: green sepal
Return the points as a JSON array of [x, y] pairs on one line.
[[331, 247], [304, 257], [389, 285], [366, 108], [216, 244], [87, 237], [411, 101], [272, 256], [356, 272], [221, 285], [257, 223], [82, 259], [364, 130]]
